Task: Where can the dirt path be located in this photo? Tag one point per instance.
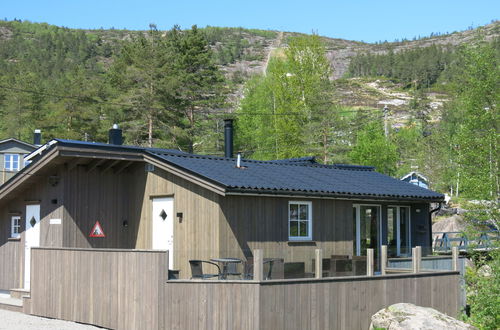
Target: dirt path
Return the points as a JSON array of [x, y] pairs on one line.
[[276, 44], [19, 321]]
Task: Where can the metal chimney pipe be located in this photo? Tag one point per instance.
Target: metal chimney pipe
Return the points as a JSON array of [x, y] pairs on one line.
[[37, 137], [115, 135], [228, 138]]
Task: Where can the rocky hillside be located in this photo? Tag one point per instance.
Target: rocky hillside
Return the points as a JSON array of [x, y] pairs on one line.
[[242, 53]]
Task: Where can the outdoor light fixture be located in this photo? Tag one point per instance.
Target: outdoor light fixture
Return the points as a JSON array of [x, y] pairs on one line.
[[179, 215], [125, 223], [54, 180]]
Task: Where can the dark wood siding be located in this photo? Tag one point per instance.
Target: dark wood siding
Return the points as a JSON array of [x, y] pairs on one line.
[[250, 223]]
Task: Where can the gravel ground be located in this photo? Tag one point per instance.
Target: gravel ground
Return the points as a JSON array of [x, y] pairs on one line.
[[19, 321]]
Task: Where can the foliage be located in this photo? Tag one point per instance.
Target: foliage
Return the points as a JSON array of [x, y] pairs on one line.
[[374, 149], [290, 112], [160, 87], [419, 67], [478, 134], [483, 280]]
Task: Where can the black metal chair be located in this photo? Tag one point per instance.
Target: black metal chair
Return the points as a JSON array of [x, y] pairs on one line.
[[197, 269], [273, 268]]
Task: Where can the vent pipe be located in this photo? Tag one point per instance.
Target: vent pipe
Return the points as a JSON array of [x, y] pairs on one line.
[[238, 160], [228, 138], [115, 135], [37, 137]]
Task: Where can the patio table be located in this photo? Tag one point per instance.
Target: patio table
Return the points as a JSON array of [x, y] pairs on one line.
[[225, 262]]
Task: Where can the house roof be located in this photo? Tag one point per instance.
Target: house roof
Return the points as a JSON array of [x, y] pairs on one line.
[[18, 141], [298, 176]]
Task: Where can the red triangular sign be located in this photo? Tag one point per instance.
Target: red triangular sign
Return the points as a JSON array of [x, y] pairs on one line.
[[97, 230]]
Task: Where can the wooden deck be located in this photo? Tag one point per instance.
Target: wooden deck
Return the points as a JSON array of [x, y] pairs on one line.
[[128, 289]]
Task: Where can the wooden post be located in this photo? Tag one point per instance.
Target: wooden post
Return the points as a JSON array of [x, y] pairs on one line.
[[258, 266], [319, 263], [383, 260], [369, 262], [416, 258], [454, 261]]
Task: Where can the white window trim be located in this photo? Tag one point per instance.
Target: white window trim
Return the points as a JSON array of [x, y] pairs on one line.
[[358, 225], [13, 234], [398, 226], [11, 162], [309, 225]]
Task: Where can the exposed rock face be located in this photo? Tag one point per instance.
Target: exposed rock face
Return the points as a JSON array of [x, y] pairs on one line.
[[408, 316]]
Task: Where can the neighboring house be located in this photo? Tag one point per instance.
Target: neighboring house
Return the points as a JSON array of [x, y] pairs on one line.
[[416, 179], [201, 207], [12, 152]]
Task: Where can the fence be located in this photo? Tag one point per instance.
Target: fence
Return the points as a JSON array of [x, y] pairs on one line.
[[11, 261], [115, 289], [127, 289]]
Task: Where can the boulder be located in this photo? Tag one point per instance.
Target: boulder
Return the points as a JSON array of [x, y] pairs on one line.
[[408, 316]]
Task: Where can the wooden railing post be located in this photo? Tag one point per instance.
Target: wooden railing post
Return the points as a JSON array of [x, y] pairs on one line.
[[258, 266], [454, 254], [369, 262], [416, 258], [319, 263], [383, 260]]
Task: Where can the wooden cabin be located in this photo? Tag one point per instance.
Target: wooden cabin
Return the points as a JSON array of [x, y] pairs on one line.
[[95, 195]]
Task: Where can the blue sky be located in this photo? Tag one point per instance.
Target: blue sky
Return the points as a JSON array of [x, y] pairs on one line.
[[367, 20]]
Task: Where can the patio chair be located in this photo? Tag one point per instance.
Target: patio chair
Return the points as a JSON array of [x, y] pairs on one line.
[[197, 269], [294, 270], [359, 265], [341, 267], [273, 268]]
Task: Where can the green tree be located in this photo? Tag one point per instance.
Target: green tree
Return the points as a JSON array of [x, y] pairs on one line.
[[478, 96], [295, 103], [195, 86], [374, 149]]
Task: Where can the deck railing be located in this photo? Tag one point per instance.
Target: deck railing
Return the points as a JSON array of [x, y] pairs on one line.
[[444, 241]]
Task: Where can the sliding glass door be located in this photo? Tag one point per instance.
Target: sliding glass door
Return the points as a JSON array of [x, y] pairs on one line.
[[367, 229], [398, 231]]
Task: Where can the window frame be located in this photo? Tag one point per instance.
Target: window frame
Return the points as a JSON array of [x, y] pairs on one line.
[[13, 226], [309, 221], [11, 162]]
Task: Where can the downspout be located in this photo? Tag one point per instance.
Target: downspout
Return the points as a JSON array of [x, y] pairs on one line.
[[430, 221]]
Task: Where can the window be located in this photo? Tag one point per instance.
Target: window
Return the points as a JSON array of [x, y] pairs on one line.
[[15, 226], [11, 162], [299, 221]]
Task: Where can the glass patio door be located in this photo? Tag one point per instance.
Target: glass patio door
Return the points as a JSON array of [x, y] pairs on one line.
[[366, 229], [398, 231]]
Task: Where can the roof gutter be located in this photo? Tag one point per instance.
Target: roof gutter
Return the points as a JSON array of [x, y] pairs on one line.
[[299, 194]]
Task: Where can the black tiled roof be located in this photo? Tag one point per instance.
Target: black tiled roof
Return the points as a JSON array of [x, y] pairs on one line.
[[299, 176]]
